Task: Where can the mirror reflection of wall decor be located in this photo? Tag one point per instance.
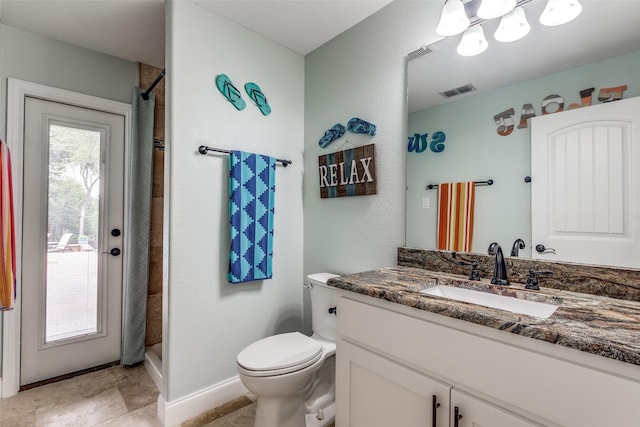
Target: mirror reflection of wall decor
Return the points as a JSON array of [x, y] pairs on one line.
[[552, 104], [348, 173], [418, 143], [504, 214]]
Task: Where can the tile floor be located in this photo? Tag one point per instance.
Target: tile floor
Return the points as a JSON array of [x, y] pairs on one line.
[[115, 396], [243, 417], [112, 397]]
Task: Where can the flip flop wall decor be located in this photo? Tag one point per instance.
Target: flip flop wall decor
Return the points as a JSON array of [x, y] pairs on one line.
[[258, 98], [354, 125], [230, 92], [331, 135], [357, 125]]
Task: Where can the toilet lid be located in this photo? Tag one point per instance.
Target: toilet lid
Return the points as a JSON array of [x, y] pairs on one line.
[[280, 352]]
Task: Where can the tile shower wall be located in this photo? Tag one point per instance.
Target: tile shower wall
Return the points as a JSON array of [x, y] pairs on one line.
[[147, 75]]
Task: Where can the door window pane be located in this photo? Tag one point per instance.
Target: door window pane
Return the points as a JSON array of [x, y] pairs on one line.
[[72, 285]]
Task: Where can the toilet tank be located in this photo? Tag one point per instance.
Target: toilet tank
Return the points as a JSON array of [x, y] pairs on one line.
[[323, 298]]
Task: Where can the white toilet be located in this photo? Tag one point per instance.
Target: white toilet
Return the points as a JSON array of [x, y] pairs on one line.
[[293, 375]]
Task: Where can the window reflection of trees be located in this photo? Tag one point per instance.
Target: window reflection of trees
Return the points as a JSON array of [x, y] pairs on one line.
[[74, 182]]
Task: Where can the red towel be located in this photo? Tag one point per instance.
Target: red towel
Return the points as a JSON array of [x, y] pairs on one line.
[[7, 233], [455, 215]]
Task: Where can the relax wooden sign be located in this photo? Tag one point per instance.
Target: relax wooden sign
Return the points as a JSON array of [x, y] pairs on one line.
[[348, 173]]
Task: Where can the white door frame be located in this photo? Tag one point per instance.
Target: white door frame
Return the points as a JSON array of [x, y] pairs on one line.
[[16, 93]]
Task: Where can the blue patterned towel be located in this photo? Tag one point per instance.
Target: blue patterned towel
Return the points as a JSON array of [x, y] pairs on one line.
[[251, 206]]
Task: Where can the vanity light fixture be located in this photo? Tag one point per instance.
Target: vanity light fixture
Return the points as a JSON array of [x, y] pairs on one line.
[[490, 9], [473, 42], [453, 19], [558, 12], [464, 15], [513, 26]]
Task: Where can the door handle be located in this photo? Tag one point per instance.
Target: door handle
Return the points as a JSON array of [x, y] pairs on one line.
[[114, 252], [540, 248]]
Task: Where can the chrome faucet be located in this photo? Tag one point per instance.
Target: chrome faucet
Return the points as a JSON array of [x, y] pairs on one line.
[[500, 269]]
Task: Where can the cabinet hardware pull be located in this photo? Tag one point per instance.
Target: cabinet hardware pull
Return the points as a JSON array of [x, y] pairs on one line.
[[456, 417], [434, 408]]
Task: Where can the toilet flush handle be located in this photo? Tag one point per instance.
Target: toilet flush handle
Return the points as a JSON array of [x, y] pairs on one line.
[[333, 310]]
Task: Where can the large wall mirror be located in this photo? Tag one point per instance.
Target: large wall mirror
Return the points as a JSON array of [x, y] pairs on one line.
[[482, 130]]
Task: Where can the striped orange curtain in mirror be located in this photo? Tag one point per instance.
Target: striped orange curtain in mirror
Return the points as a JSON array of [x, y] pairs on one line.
[[455, 215]]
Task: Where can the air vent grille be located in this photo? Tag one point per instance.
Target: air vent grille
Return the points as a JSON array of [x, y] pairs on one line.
[[424, 50], [457, 91]]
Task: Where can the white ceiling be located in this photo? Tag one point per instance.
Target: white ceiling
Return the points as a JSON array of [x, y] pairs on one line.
[[300, 25], [129, 29], [134, 29]]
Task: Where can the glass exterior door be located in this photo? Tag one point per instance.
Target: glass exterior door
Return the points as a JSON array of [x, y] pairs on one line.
[[73, 200]]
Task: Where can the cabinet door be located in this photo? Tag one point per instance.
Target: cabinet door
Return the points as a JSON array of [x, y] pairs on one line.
[[377, 392], [473, 412]]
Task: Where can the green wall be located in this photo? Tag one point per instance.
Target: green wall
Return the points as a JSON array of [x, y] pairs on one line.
[[38, 59], [475, 151]]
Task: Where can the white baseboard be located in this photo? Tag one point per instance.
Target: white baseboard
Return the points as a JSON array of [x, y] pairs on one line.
[[153, 365], [176, 412]]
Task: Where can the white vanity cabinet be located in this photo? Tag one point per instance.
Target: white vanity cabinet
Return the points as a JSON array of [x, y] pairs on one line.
[[392, 359], [385, 394]]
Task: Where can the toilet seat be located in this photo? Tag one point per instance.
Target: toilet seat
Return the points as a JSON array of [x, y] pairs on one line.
[[279, 354]]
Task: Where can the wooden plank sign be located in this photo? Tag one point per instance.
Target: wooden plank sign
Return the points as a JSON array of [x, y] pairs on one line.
[[348, 173]]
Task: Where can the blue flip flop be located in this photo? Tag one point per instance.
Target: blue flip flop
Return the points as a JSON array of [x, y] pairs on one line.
[[230, 92], [331, 135], [258, 98], [357, 125]]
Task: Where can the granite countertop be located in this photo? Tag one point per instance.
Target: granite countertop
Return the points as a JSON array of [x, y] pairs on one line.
[[600, 325]]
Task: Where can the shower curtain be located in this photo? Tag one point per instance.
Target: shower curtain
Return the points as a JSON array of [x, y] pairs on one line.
[[136, 253]]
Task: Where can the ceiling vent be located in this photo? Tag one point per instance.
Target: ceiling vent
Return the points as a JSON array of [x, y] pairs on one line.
[[424, 50], [457, 91]]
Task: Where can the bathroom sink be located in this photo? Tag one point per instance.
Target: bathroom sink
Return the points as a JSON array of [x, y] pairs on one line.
[[515, 305]]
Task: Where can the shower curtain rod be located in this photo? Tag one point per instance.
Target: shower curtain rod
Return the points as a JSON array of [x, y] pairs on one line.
[[203, 150], [146, 93], [487, 182]]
